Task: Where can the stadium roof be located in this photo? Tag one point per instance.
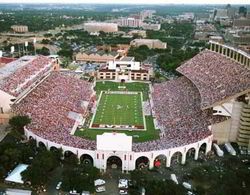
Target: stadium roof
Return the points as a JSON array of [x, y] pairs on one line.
[[217, 78]]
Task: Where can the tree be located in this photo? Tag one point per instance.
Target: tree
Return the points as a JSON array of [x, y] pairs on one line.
[[166, 187], [18, 122], [141, 53], [80, 177], [152, 186], [39, 171], [44, 51], [102, 34], [65, 62], [68, 53], [45, 41], [48, 35]]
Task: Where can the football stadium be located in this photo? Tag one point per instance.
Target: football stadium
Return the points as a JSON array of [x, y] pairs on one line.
[[133, 124]]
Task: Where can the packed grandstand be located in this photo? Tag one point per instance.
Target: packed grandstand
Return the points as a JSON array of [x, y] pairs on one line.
[[182, 108], [20, 74]]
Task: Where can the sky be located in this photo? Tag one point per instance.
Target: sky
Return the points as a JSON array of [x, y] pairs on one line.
[[133, 1]]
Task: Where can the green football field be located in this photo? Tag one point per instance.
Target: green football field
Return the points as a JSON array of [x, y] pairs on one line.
[[119, 109]]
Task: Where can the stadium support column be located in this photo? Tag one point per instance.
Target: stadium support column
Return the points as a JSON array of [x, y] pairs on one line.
[[244, 60], [211, 46], [240, 58], [230, 53], [183, 159], [209, 146], [237, 56], [168, 162], [227, 51], [151, 164], [219, 49], [196, 155]]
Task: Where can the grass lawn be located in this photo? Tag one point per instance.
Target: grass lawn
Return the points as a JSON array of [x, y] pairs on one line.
[[114, 86], [119, 109], [139, 136]]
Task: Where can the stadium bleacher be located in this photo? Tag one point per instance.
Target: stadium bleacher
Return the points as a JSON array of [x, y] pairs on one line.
[[18, 75], [216, 77], [49, 105], [177, 111], [181, 107]]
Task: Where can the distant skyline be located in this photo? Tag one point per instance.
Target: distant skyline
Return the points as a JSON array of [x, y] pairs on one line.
[[132, 1]]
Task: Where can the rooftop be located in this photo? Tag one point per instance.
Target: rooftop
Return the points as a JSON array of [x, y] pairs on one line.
[[15, 175]]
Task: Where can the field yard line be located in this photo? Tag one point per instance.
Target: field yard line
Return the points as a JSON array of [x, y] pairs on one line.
[[92, 120]]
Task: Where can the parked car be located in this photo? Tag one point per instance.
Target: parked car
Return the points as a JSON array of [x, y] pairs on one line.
[[100, 189], [58, 186]]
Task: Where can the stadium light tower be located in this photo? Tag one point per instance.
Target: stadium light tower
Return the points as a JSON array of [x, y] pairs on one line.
[[12, 49], [34, 42], [26, 46]]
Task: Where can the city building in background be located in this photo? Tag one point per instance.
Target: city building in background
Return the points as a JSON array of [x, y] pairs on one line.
[[130, 22], [150, 43], [20, 28], [148, 26], [93, 27]]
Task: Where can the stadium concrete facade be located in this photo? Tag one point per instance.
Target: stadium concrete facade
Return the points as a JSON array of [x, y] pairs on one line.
[[129, 159]]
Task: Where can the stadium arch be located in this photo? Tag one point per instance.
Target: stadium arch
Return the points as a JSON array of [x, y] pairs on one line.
[[130, 160], [160, 160], [40, 144], [54, 149], [191, 153], [142, 162], [203, 148], [86, 159], [114, 162], [178, 156]]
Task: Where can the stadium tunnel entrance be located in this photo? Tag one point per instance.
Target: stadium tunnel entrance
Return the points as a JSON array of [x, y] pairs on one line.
[[114, 162], [160, 161], [142, 162], [86, 159]]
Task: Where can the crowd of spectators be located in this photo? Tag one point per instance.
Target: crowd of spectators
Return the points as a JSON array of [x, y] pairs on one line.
[[216, 76], [49, 104], [177, 105], [179, 116], [24, 76]]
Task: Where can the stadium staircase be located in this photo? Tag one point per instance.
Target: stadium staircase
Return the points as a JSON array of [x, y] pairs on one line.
[[243, 139]]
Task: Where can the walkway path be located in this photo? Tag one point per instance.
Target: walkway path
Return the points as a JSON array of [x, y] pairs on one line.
[[112, 177], [3, 132]]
